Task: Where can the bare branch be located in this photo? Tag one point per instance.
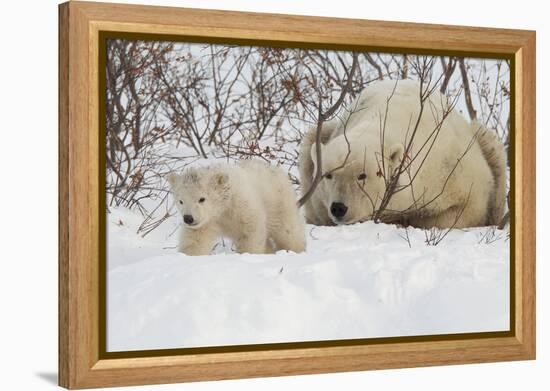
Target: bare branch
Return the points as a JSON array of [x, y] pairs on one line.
[[466, 85], [322, 117]]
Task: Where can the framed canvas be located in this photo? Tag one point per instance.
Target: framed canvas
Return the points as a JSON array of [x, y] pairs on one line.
[[246, 195]]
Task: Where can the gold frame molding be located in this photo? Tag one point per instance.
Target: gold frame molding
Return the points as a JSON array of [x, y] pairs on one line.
[[83, 28]]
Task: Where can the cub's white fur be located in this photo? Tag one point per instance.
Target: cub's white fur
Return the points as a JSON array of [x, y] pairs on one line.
[[460, 181], [252, 203]]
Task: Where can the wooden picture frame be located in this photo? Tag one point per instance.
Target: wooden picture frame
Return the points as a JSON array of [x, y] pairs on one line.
[[83, 363]]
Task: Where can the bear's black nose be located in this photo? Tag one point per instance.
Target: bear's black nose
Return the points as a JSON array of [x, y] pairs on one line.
[[338, 209], [188, 219]]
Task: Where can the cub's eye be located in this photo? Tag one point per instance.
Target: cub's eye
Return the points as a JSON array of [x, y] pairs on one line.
[[181, 202], [328, 176], [362, 176], [201, 200]]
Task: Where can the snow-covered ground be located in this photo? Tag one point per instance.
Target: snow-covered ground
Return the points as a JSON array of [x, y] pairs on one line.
[[358, 281]]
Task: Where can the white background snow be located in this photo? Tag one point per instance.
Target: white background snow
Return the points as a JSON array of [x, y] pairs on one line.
[[358, 281]]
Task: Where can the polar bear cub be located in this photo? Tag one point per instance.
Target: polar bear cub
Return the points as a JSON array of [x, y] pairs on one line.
[[252, 203]]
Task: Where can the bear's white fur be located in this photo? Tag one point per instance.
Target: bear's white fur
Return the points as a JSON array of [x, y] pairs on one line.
[[251, 203], [458, 181]]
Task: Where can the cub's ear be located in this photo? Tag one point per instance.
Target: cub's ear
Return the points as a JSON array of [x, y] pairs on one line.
[[172, 179], [396, 153], [220, 179]]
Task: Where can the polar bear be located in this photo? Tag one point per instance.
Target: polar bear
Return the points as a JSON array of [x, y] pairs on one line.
[[252, 203], [457, 168]]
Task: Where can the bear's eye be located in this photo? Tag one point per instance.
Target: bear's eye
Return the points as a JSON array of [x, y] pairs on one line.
[[181, 202], [362, 176], [328, 176], [201, 200]]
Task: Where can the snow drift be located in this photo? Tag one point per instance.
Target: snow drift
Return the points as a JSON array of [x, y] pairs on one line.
[[359, 281]]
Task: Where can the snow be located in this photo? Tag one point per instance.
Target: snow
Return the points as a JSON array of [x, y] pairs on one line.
[[358, 281]]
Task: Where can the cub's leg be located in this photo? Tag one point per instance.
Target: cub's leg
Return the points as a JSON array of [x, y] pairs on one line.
[[252, 242], [287, 229], [252, 236], [290, 237], [197, 241]]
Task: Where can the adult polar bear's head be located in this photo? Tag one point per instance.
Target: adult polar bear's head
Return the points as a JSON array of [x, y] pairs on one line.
[[353, 181]]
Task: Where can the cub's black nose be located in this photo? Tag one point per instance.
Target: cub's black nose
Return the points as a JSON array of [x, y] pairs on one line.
[[188, 219], [338, 209]]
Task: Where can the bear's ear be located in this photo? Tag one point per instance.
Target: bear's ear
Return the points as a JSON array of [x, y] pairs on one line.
[[220, 178], [172, 178], [396, 153]]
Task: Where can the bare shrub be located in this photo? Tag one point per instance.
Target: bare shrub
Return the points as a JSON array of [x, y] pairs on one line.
[[492, 234], [170, 105]]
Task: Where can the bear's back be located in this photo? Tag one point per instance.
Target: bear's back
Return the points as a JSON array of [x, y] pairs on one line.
[[264, 185], [262, 174], [393, 107]]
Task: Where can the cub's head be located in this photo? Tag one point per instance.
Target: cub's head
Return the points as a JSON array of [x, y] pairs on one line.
[[199, 194], [353, 184]]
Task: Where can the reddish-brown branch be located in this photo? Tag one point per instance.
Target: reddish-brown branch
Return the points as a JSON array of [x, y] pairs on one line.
[[322, 117], [467, 93]]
